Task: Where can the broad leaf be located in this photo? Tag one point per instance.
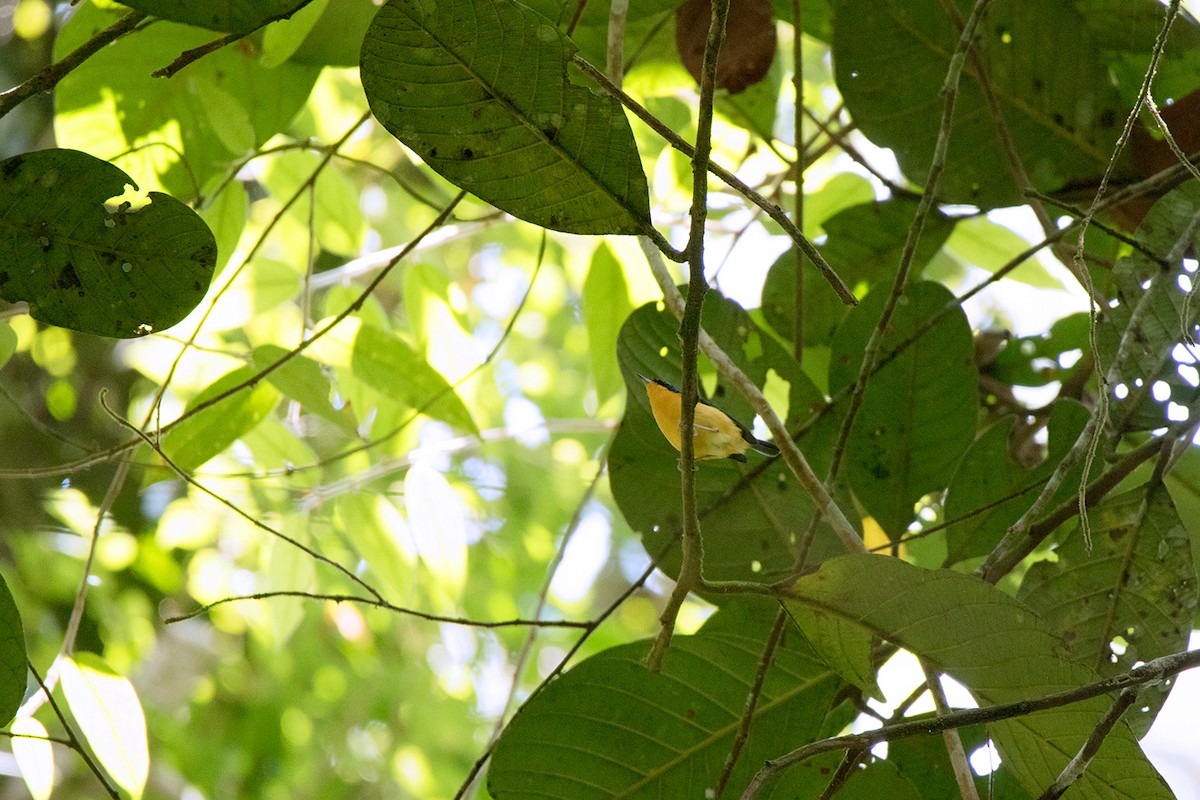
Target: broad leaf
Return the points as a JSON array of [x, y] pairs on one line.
[[108, 712], [113, 271], [232, 16], [609, 728], [918, 411], [198, 438], [891, 59], [990, 490], [12, 656], [34, 756], [1000, 650], [605, 308], [1130, 600], [1155, 313], [479, 90]]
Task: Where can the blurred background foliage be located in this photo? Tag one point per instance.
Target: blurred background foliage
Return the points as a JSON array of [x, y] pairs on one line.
[[472, 506]]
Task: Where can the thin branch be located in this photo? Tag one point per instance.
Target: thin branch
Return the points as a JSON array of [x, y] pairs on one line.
[[954, 746], [1076, 767], [691, 569], [789, 452], [477, 767], [925, 206], [772, 210], [383, 604], [49, 77], [1149, 673], [850, 762], [197, 53], [760, 675], [799, 167], [74, 743]]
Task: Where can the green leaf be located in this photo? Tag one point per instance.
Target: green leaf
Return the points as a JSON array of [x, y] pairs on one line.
[[1128, 599], [336, 217], [751, 515], [34, 756], [8, 343], [864, 245], [158, 129], [990, 491], [845, 647], [605, 307], [12, 656], [610, 728], [918, 412], [1034, 360], [1140, 346], [79, 265], [231, 16], [198, 438], [437, 521], [1063, 114], [301, 379], [283, 38], [1000, 650], [110, 716], [374, 528], [979, 241], [479, 90]]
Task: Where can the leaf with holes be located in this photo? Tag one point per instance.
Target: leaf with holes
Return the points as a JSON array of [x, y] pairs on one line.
[[1130, 600], [1156, 313], [119, 272], [479, 90], [1001, 651]]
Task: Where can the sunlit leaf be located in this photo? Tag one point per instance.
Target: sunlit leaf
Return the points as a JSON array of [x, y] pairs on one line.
[[437, 520], [198, 438], [109, 715], [114, 271], [35, 757], [379, 536], [479, 90], [1129, 600], [605, 306], [1000, 650]]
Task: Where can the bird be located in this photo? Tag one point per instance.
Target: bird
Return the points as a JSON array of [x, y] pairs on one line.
[[717, 435]]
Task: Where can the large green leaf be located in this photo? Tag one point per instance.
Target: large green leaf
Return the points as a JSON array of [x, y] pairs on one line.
[[990, 490], [1131, 599], [107, 709], [609, 728], [110, 271], [201, 436], [12, 655], [195, 123], [479, 90], [863, 245], [605, 308], [1140, 345], [232, 16], [752, 515], [999, 649], [891, 59], [918, 412]]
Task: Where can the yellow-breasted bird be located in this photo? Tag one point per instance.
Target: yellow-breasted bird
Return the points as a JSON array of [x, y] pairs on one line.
[[717, 435]]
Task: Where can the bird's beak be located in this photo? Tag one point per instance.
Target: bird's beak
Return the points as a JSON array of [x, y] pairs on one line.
[[644, 378]]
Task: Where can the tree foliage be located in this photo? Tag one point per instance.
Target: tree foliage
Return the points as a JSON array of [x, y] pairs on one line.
[[330, 472]]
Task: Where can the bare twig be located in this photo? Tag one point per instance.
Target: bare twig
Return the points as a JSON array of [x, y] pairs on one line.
[[49, 77], [48, 694], [1076, 767], [1149, 673]]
